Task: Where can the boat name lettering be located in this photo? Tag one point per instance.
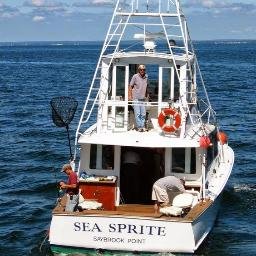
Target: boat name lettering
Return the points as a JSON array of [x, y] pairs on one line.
[[137, 229], [85, 226], [121, 228]]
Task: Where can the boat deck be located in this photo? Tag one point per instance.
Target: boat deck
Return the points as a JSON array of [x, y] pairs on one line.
[[137, 211]]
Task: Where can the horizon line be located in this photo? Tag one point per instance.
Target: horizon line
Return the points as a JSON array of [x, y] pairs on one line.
[[100, 40]]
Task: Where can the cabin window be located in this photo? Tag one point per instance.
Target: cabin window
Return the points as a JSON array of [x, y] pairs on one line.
[[190, 85], [170, 84], [176, 84], [110, 82], [183, 160], [133, 69], [193, 161], [178, 160], [153, 91], [93, 156], [120, 82], [109, 117], [102, 157], [166, 84]]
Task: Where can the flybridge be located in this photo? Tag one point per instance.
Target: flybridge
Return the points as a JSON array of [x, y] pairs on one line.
[[162, 28]]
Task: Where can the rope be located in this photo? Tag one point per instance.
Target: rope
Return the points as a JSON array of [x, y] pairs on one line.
[[41, 245]]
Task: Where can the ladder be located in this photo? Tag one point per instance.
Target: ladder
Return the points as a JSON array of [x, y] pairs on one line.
[[111, 46]]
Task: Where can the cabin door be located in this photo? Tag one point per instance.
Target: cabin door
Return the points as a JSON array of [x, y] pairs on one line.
[[140, 168]]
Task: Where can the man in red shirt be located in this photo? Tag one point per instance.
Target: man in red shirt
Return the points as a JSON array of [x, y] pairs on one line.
[[71, 187]]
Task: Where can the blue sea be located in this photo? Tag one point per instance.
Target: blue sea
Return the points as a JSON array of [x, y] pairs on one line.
[[33, 149]]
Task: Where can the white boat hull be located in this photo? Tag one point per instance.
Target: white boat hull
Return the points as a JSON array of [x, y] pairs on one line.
[[123, 233], [203, 225]]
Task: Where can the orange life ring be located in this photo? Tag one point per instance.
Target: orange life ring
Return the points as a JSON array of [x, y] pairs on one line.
[[169, 112]]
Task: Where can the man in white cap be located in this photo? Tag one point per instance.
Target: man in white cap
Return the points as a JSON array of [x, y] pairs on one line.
[[137, 93], [71, 187]]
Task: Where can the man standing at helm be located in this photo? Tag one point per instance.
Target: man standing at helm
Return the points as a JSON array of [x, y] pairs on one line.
[[137, 93]]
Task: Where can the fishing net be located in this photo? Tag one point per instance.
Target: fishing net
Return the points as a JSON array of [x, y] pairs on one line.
[[63, 110]]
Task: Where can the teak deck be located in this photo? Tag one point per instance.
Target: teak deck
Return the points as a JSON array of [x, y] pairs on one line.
[[136, 210]]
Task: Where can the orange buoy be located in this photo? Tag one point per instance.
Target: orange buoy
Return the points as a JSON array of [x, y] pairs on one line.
[[169, 113], [222, 138], [204, 142]]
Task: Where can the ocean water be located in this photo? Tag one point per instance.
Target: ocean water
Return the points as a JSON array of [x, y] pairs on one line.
[[33, 149]]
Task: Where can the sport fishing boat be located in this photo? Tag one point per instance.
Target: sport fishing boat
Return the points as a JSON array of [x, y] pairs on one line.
[[117, 165]]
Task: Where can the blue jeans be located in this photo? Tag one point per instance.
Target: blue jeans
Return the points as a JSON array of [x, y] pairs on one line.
[[72, 202], [139, 113]]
